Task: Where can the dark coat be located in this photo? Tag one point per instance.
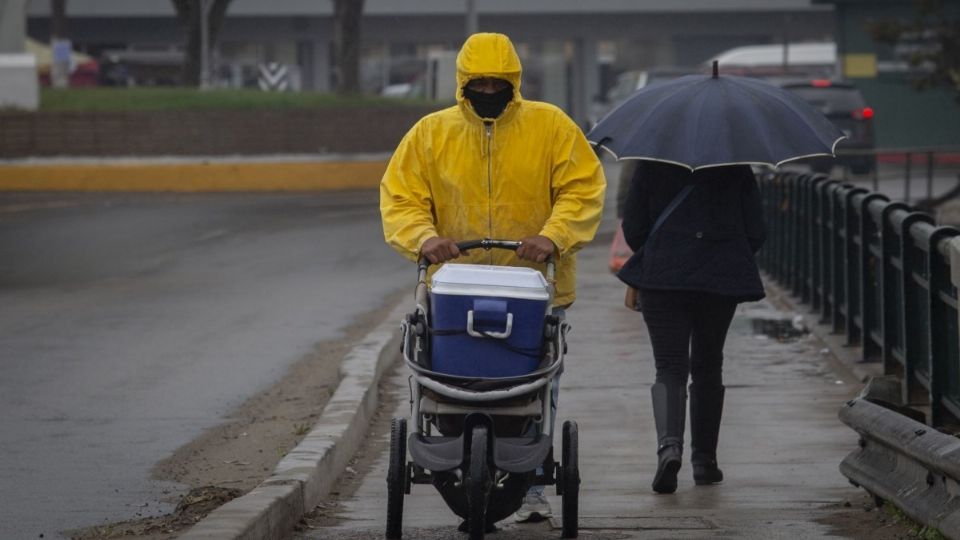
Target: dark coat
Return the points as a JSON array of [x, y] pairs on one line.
[[708, 243]]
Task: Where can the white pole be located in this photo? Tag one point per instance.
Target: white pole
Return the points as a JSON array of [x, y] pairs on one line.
[[13, 25]]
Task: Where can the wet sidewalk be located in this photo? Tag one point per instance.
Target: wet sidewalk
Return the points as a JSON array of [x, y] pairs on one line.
[[780, 444]]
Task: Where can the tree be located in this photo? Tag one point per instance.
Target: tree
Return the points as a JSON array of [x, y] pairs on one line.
[[58, 19], [188, 12], [931, 42], [346, 38]]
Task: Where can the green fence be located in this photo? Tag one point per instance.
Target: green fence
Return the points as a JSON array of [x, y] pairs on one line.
[[874, 270]]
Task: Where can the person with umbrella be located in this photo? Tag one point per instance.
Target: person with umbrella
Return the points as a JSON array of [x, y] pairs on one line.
[[693, 217]]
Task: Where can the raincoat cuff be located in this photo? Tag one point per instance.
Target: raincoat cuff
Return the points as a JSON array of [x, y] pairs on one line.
[[423, 237], [561, 249]]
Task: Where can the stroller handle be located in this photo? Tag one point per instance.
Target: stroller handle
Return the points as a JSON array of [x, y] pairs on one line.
[[485, 243]]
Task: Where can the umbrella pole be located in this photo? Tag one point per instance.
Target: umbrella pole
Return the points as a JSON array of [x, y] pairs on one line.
[[716, 69]]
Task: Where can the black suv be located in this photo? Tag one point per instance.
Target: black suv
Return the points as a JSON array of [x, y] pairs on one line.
[[844, 105]]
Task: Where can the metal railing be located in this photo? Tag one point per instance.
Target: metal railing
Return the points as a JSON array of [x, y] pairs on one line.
[[876, 271], [905, 173]]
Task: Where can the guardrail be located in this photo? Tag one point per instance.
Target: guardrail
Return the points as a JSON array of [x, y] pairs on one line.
[[877, 271], [905, 462]]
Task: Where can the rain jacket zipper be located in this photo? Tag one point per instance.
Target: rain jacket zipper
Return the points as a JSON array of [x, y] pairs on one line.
[[488, 126]]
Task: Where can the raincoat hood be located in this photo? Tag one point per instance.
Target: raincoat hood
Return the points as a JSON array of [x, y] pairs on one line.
[[488, 55]]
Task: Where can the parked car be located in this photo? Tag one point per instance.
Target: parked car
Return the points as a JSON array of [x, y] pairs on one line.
[[844, 105], [629, 82], [147, 66], [84, 70]]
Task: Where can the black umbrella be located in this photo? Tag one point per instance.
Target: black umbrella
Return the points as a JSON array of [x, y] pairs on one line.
[[701, 121]]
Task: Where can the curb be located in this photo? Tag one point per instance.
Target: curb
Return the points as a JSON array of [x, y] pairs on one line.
[[309, 472], [194, 175]]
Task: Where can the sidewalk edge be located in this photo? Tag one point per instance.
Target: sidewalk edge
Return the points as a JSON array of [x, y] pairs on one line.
[[308, 473], [848, 356]]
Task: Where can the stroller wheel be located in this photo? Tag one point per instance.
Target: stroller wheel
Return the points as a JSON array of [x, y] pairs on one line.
[[570, 479], [396, 477], [478, 483]]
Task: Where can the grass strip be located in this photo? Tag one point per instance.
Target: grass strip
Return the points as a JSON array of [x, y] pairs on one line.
[[160, 99], [916, 530]]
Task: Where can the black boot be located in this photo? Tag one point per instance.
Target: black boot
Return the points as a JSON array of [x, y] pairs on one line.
[[669, 413], [706, 409]]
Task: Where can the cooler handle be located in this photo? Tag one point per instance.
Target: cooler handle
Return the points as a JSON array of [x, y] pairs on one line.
[[497, 335]]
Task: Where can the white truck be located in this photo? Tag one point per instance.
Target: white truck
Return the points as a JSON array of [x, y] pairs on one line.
[[814, 59]]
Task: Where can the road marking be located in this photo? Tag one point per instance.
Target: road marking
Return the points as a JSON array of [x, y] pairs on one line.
[[26, 207]]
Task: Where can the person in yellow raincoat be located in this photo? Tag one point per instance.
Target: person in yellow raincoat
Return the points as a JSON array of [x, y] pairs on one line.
[[495, 166], [525, 172]]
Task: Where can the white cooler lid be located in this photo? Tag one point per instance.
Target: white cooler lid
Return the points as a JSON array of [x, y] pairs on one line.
[[486, 280]]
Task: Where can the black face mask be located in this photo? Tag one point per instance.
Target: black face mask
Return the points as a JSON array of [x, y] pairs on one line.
[[489, 105]]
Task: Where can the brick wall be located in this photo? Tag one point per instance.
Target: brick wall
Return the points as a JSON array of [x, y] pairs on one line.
[[204, 133]]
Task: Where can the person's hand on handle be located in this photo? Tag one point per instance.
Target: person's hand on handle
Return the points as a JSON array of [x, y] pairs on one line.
[[439, 249], [536, 248]]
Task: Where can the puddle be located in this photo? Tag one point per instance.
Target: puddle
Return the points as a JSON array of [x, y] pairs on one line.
[[779, 325]]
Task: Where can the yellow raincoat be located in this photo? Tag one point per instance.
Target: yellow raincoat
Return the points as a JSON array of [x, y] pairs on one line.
[[528, 172]]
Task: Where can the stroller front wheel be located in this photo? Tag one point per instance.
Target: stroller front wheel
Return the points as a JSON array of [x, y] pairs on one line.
[[396, 477], [570, 479], [478, 483]]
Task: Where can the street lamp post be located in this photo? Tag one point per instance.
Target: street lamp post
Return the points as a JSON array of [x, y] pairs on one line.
[[472, 24], [787, 21], [204, 44]]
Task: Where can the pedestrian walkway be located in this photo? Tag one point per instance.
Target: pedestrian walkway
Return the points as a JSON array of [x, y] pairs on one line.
[[780, 445]]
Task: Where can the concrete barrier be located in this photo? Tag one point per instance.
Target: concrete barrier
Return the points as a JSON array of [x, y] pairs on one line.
[[909, 464], [205, 132]]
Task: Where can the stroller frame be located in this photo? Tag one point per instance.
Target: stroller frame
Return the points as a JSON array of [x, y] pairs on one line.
[[482, 443]]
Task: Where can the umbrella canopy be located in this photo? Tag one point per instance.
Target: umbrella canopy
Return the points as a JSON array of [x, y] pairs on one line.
[[701, 121]]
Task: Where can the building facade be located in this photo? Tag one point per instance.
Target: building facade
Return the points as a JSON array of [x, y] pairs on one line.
[[906, 117], [572, 50]]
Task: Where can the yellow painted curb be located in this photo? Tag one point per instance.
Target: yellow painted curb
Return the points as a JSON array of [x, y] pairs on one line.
[[200, 176]]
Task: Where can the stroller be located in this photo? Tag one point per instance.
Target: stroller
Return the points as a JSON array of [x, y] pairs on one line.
[[484, 349]]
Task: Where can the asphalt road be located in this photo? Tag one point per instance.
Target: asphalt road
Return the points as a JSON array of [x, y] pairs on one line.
[[131, 323]]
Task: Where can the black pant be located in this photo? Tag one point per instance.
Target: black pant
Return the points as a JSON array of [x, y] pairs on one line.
[[687, 330]]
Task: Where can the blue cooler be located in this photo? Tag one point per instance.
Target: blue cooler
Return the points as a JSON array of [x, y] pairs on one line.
[[487, 320]]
